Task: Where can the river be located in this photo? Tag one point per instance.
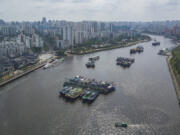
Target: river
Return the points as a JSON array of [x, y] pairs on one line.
[[145, 98]]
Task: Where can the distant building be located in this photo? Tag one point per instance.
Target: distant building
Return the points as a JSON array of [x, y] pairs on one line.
[[44, 20]]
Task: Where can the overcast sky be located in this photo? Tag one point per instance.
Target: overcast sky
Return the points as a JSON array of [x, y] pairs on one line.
[[100, 10]]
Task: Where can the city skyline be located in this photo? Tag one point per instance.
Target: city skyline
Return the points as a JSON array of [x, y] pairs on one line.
[[99, 10]]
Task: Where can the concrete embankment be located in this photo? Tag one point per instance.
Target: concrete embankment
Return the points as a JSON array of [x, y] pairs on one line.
[[21, 75]]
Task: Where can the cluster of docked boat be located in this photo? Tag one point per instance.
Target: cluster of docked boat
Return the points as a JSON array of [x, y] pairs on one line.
[[124, 62], [138, 49], [91, 62], [84, 88], [72, 93]]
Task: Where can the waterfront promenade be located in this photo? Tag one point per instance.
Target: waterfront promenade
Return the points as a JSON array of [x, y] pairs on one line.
[[22, 74]]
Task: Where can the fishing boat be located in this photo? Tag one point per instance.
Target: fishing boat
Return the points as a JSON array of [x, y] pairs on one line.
[[155, 43], [94, 58], [119, 124], [124, 62], [48, 65], [110, 88], [85, 91], [138, 49], [125, 59], [74, 93], [92, 96], [90, 64], [163, 51], [132, 51], [85, 96], [65, 90]]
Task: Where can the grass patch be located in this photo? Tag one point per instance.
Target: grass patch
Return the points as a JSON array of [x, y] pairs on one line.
[[175, 64]]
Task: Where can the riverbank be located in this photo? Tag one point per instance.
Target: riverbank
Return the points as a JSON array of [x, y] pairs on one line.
[[3, 83], [42, 61], [174, 73], [28, 70], [109, 47]]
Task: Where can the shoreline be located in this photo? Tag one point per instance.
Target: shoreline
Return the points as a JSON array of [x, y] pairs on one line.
[[24, 73], [173, 76], [110, 48], [3, 83]]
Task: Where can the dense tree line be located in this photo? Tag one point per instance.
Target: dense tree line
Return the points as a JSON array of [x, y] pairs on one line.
[[176, 59]]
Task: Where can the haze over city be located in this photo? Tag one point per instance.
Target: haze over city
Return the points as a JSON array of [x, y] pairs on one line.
[[99, 10]]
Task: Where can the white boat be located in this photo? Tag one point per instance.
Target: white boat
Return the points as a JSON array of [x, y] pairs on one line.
[[55, 61], [163, 51], [48, 65]]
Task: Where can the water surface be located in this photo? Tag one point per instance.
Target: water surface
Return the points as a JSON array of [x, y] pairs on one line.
[[145, 98]]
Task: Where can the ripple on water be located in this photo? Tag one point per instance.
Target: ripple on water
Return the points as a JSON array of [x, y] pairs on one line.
[[100, 122]]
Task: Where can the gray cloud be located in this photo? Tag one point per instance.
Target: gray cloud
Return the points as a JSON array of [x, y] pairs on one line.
[[102, 10]]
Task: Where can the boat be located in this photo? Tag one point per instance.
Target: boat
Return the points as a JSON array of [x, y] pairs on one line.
[[124, 62], [85, 96], [90, 64], [132, 51], [125, 59], [163, 51], [65, 90], [110, 88], [94, 58], [119, 124], [55, 61], [155, 43], [138, 49], [74, 93], [48, 65], [85, 91], [92, 96]]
